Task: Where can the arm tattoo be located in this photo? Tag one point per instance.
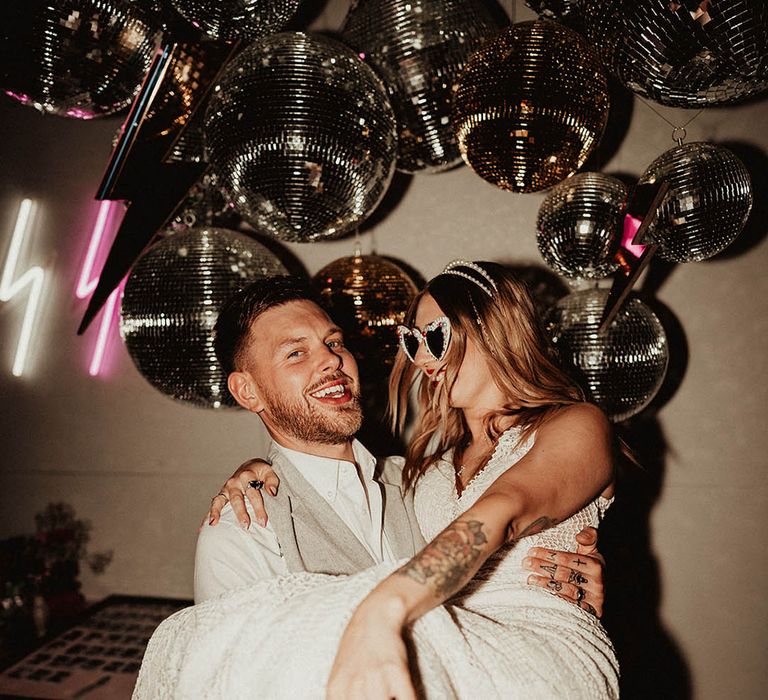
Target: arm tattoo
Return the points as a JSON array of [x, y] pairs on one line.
[[536, 526], [448, 559]]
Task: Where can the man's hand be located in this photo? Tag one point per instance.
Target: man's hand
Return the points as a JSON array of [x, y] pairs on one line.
[[237, 488], [577, 578]]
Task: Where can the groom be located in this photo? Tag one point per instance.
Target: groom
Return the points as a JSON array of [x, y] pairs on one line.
[[337, 509]]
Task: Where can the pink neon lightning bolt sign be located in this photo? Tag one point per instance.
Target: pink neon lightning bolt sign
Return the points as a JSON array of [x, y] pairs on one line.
[[108, 211]]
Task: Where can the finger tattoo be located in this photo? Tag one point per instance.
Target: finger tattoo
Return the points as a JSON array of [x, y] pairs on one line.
[[576, 577], [551, 569], [578, 562], [589, 608], [552, 556]]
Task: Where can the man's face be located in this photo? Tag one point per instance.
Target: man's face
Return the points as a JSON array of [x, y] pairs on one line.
[[297, 374]]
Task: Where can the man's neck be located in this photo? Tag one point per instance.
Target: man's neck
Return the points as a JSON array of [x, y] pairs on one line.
[[342, 450]]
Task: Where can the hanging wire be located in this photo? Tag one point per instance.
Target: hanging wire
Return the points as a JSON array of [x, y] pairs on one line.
[[678, 130]]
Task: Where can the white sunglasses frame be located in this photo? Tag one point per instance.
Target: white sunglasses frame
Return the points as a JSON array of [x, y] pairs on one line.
[[421, 336]]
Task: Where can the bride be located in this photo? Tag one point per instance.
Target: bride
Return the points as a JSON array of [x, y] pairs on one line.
[[505, 456]]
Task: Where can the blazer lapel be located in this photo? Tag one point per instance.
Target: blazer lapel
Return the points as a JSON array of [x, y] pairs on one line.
[[400, 523], [323, 540]]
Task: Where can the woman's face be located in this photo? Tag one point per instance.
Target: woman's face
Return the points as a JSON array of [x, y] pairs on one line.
[[474, 386]]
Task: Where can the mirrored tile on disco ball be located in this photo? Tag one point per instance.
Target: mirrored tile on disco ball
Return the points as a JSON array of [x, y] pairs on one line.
[[302, 134], [75, 58], [621, 369], [531, 106], [170, 306]]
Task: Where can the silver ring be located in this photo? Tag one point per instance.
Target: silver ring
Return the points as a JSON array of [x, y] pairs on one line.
[[579, 594], [257, 484]]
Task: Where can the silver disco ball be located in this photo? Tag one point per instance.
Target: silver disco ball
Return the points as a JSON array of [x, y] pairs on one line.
[[419, 48], [579, 226], [683, 54], [75, 58], [530, 106], [172, 300], [708, 202], [303, 136], [622, 369], [237, 19]]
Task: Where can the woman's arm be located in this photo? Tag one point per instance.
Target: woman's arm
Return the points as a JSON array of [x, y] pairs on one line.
[[570, 463]]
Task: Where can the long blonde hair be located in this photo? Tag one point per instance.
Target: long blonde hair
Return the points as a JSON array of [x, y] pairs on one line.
[[507, 330]]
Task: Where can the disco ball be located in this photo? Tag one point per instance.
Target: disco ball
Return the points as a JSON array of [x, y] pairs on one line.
[[709, 200], [530, 106], [683, 54], [303, 136], [579, 226], [553, 9], [419, 48], [171, 303], [367, 296], [623, 368], [75, 58], [237, 19]]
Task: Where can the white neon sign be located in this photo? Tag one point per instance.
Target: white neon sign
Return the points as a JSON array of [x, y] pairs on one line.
[[34, 278]]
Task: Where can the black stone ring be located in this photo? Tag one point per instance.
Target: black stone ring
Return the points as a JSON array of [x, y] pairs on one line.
[[255, 484], [579, 594]]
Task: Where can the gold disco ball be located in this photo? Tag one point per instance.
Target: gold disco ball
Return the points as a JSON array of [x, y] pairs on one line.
[[530, 106], [368, 297]]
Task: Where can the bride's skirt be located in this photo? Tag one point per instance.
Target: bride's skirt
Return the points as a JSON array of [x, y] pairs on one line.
[[278, 639]]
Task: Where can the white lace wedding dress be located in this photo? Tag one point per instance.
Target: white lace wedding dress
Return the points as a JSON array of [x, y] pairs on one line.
[[499, 638]]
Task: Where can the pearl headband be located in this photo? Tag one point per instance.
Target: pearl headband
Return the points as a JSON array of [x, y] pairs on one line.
[[450, 269]]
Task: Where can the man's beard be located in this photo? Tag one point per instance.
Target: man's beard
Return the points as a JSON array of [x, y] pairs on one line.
[[306, 423]]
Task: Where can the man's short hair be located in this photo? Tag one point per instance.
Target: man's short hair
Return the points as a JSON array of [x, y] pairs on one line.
[[238, 313]]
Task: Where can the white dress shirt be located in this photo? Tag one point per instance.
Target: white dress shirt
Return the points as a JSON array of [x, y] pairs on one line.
[[228, 556]]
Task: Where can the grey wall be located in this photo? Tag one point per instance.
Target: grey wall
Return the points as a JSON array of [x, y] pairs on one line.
[[687, 557]]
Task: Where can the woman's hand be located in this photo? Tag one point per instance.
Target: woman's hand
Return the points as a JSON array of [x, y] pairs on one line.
[[371, 662], [237, 488]]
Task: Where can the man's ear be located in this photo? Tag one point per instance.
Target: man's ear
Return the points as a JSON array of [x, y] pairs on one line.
[[243, 388]]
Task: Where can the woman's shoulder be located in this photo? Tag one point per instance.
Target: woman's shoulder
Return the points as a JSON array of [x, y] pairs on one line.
[[577, 429], [581, 416]]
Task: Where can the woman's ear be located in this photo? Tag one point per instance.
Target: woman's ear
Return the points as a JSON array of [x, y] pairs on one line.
[[243, 388]]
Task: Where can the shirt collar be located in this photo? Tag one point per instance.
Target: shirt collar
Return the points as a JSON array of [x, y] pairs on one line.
[[327, 474]]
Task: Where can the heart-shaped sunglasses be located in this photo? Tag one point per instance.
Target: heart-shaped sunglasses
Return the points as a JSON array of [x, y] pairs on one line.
[[435, 336]]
